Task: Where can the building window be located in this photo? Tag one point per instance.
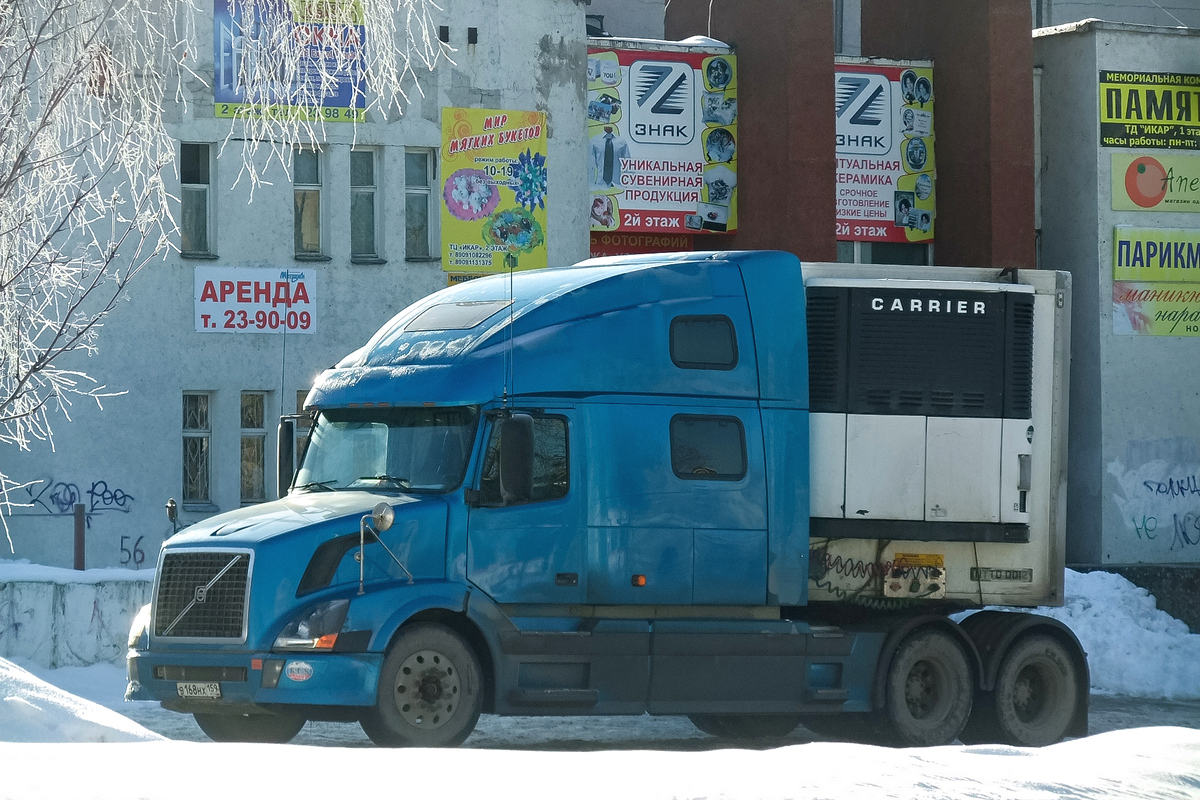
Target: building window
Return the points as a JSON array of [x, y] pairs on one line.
[[306, 180], [418, 177], [197, 435], [254, 447], [708, 448], [362, 204], [905, 253], [195, 219]]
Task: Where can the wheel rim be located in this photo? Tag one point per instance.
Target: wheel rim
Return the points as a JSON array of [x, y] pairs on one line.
[[924, 691], [1031, 691], [427, 689]]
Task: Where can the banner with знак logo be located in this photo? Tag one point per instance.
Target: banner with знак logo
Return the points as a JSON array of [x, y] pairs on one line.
[[886, 175], [662, 140]]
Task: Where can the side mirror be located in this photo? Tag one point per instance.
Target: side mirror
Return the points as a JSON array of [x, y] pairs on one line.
[[382, 517], [285, 457], [172, 510], [516, 459]]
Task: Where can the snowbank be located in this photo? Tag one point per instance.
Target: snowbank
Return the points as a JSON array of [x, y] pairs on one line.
[[32, 710], [1133, 647]]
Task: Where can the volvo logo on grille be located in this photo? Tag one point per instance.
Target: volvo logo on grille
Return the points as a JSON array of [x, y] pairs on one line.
[[201, 594]]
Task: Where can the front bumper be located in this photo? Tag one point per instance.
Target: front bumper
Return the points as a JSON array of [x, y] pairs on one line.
[[308, 679]]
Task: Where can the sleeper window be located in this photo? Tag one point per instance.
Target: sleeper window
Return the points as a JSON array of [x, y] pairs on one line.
[[708, 448]]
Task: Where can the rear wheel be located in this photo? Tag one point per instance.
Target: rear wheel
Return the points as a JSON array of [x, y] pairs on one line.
[[262, 728], [929, 690], [1036, 692], [745, 726], [429, 691]]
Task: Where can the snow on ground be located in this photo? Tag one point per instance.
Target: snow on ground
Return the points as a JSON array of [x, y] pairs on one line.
[[32, 710], [1142, 763]]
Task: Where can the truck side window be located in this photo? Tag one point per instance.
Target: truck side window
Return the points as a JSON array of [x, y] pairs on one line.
[[550, 464], [708, 448], [703, 342]]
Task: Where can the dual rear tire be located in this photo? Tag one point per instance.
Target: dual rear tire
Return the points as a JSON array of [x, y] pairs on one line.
[[1035, 699]]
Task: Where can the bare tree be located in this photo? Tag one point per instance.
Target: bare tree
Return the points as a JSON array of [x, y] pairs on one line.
[[83, 148]]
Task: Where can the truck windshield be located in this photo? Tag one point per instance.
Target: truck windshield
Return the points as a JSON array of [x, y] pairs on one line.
[[423, 450]]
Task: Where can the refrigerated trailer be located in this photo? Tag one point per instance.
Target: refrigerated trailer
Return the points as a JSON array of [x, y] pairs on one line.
[[721, 485]]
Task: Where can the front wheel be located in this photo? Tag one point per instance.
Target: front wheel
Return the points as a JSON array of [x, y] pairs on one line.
[[259, 728], [429, 691], [929, 690]]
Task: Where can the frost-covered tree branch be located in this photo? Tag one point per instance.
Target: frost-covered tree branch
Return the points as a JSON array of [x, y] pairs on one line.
[[84, 148]]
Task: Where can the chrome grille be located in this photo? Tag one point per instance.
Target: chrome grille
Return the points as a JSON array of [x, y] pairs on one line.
[[202, 595]]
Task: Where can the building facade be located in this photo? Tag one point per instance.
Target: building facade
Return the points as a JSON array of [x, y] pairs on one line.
[[272, 285], [1119, 203]]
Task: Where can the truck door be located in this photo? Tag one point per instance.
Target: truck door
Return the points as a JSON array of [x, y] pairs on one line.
[[676, 505], [531, 552]]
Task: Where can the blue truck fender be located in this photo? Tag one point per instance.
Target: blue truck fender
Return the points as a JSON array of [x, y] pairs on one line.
[[386, 610]]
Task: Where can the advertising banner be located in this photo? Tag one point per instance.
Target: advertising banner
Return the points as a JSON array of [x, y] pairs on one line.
[[885, 153], [662, 152], [1156, 281], [1155, 183], [255, 300], [624, 244], [329, 83], [494, 195], [1150, 109]]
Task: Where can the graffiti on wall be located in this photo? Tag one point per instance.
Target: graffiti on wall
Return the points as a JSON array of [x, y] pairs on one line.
[[61, 497], [1159, 502]]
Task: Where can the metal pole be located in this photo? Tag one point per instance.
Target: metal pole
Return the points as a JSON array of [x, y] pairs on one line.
[[80, 524]]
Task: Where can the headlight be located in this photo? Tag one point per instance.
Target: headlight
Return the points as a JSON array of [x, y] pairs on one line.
[[316, 628], [137, 629]]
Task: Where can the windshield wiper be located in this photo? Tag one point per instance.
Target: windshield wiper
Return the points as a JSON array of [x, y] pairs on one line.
[[322, 485], [401, 482]]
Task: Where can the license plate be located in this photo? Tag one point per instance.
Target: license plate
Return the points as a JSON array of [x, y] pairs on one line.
[[206, 690]]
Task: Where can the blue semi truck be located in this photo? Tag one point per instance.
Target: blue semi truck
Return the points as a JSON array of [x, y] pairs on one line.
[[719, 485]]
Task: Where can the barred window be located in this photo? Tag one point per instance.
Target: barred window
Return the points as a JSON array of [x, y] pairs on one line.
[[197, 434], [254, 446]]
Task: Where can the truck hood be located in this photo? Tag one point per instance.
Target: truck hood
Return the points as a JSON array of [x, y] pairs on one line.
[[257, 523]]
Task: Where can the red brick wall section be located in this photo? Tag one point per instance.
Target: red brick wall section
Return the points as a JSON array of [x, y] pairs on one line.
[[983, 60], [786, 161]]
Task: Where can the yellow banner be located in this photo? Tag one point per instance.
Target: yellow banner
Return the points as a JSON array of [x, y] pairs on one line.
[[1150, 109], [494, 192], [1155, 183], [1156, 254]]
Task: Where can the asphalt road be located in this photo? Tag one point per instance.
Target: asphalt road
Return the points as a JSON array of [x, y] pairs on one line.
[[646, 733]]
